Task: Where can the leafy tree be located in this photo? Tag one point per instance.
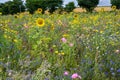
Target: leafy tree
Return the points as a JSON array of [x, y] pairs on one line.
[[52, 5], [116, 3], [70, 6], [33, 5], [89, 5], [1, 5], [13, 7]]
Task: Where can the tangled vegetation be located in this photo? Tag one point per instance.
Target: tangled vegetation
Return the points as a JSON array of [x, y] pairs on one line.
[[60, 46]]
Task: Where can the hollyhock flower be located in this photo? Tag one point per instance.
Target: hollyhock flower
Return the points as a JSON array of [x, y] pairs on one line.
[[64, 40]]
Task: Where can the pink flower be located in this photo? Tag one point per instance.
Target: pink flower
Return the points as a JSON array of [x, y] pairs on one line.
[[71, 44], [26, 26], [74, 76], [64, 40], [66, 73]]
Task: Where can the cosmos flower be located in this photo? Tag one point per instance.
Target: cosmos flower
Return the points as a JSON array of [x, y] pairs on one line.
[[66, 73], [64, 40], [75, 75]]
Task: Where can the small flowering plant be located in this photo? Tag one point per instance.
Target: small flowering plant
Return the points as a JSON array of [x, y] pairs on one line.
[[73, 76]]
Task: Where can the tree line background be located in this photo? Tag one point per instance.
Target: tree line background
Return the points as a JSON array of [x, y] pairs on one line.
[[17, 6]]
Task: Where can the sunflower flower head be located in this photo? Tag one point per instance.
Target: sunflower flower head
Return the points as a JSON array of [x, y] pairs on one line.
[[39, 10], [76, 16], [40, 22], [113, 7]]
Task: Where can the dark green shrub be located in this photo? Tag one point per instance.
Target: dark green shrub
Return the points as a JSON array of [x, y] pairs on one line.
[[89, 5], [70, 6], [116, 3]]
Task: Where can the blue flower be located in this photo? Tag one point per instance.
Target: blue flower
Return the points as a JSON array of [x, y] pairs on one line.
[[111, 69], [113, 73], [106, 73], [118, 70]]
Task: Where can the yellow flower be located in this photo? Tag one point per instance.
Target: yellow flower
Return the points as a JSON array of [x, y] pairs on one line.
[[0, 13], [15, 40], [76, 16], [54, 46], [113, 7], [39, 10], [101, 32], [40, 22], [62, 53], [52, 27], [56, 52], [5, 36], [65, 35]]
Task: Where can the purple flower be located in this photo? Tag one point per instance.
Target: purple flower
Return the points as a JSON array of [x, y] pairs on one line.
[[113, 73], [118, 70], [51, 50], [112, 69], [46, 79], [106, 73]]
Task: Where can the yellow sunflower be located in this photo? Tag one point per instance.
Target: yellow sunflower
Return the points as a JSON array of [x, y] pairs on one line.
[[76, 16], [113, 8], [39, 10], [40, 22]]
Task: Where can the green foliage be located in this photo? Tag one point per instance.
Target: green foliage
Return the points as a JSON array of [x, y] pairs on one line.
[[87, 44], [33, 5], [70, 6], [116, 3], [1, 5], [12, 7], [51, 5], [89, 5]]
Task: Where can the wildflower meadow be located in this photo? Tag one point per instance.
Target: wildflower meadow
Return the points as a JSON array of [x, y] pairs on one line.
[[67, 46]]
